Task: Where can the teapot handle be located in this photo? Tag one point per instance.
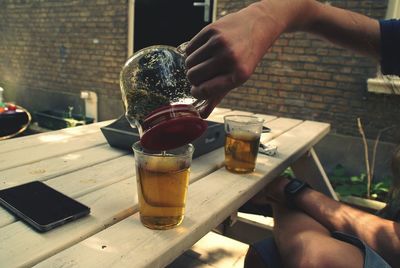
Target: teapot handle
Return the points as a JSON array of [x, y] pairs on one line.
[[204, 107], [182, 48]]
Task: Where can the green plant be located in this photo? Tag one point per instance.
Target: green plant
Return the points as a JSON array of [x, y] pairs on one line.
[[346, 185], [370, 165], [288, 173]]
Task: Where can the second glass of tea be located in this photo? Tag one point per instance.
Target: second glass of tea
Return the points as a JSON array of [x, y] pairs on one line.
[[162, 183], [242, 140]]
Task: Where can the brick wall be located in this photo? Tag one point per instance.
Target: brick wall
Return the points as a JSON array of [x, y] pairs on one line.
[[51, 50], [305, 77]]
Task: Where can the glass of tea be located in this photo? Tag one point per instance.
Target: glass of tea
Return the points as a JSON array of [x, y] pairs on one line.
[[242, 140], [162, 181]]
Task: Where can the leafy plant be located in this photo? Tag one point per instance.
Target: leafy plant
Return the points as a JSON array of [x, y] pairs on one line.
[[370, 165], [346, 185], [288, 173]]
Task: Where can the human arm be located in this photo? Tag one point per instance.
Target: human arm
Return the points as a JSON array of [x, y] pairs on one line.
[[381, 235], [225, 53]]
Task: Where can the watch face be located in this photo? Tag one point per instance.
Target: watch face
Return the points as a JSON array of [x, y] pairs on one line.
[[294, 185]]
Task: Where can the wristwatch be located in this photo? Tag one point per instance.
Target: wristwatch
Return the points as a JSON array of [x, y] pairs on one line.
[[293, 188]]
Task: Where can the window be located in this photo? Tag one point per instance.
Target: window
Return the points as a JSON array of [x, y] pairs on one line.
[[387, 84], [393, 10]]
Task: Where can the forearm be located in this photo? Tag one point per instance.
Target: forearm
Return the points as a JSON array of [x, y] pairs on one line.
[[280, 16], [342, 27], [345, 28], [380, 234]]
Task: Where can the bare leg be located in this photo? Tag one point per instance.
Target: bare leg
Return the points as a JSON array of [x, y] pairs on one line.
[[303, 242]]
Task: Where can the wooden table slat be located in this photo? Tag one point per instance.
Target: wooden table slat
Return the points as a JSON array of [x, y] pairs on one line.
[[83, 181], [267, 118], [36, 153], [57, 166], [50, 137], [218, 110], [220, 116], [279, 126]]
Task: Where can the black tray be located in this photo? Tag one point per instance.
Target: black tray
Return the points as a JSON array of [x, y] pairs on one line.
[[120, 134], [60, 119]]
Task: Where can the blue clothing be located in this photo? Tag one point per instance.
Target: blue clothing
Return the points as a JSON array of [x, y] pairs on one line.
[[390, 46], [371, 258], [268, 251]]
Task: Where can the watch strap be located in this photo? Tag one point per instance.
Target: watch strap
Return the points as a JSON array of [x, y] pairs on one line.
[[292, 189]]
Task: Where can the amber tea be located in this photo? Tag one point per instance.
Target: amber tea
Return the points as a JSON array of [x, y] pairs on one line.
[[162, 181], [241, 151], [241, 142], [162, 195]]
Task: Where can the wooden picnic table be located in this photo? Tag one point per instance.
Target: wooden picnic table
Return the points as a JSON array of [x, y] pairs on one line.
[[79, 162]]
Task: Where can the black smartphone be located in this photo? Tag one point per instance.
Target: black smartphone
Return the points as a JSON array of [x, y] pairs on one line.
[[41, 206]]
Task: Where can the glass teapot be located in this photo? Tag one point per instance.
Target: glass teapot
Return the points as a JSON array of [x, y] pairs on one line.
[[157, 99]]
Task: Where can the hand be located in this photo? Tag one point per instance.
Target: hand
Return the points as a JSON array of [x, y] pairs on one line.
[[275, 190], [224, 54], [272, 194]]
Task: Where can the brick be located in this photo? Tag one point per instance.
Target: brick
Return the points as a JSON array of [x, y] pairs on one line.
[[319, 75], [262, 84], [345, 78], [315, 105], [317, 98], [331, 84], [294, 102]]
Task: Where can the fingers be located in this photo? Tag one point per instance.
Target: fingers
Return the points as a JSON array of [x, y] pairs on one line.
[[208, 69], [214, 88], [213, 91], [198, 40], [207, 109], [208, 106], [209, 49]]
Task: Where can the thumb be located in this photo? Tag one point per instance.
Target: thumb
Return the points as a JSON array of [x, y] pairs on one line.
[[206, 109], [215, 88]]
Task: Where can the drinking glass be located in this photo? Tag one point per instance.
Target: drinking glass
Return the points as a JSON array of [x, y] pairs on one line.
[[242, 140], [162, 181]]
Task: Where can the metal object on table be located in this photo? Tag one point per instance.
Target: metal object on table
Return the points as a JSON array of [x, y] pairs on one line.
[[268, 149], [266, 129]]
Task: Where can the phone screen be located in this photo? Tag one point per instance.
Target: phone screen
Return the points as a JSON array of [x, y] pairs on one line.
[[41, 206]]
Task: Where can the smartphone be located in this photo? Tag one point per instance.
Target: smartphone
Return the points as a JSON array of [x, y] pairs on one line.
[[41, 206]]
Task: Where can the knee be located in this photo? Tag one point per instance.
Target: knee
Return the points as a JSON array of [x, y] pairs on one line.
[[308, 250], [301, 251]]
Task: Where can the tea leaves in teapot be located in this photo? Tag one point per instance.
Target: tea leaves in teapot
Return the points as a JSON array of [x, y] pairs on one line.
[[157, 79], [142, 102]]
